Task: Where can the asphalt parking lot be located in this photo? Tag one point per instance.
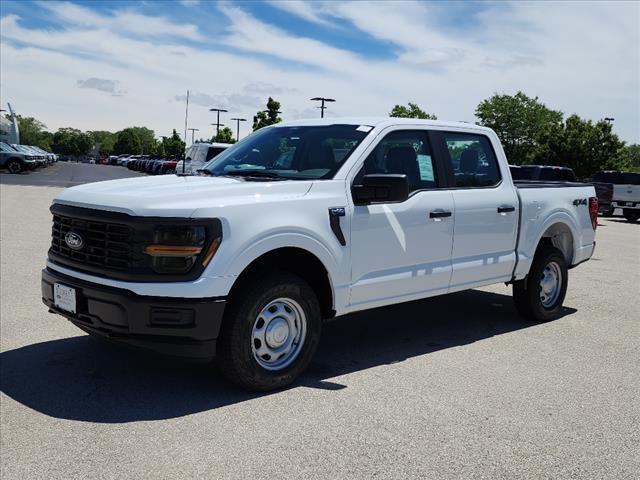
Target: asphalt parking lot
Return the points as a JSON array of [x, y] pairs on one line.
[[66, 174], [451, 387]]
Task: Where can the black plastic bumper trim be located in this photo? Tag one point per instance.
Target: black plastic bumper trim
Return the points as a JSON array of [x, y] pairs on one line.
[[123, 316]]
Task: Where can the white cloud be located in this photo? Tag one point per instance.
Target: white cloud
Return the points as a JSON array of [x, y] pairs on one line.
[[250, 34], [306, 10], [121, 20], [190, 3], [550, 51]]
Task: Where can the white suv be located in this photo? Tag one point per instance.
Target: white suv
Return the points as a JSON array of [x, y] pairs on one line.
[[197, 155]]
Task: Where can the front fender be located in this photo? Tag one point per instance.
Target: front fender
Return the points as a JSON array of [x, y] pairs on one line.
[[227, 265]]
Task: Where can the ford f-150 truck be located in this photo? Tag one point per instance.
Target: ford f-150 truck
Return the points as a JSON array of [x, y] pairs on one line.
[[302, 222]]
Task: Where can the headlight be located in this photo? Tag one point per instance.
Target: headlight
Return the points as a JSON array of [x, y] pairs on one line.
[[176, 249]]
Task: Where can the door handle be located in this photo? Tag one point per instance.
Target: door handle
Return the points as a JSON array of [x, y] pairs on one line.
[[439, 214], [506, 208]]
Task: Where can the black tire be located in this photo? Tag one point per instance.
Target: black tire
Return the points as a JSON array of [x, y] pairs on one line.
[[631, 215], [14, 166], [527, 292], [235, 356], [608, 213]]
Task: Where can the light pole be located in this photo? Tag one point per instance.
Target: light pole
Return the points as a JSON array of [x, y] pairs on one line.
[[609, 120], [218, 124], [193, 130], [322, 100], [238, 120]]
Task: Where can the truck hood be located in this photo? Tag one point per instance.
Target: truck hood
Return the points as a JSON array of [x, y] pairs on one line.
[[175, 196]]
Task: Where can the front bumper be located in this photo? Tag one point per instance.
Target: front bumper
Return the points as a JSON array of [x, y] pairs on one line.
[[173, 326]]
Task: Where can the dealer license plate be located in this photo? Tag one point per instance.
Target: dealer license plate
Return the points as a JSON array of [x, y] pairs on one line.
[[64, 297]]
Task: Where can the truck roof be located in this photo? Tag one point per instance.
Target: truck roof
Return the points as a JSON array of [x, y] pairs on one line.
[[378, 122]]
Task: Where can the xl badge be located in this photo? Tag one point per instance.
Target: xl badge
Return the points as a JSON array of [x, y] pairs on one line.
[[74, 241]]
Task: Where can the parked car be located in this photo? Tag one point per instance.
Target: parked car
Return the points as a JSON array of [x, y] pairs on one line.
[[305, 221], [197, 155], [547, 173], [40, 160], [14, 160], [51, 157], [626, 192], [168, 167]]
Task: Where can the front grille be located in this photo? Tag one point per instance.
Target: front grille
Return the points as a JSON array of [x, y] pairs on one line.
[[106, 245], [114, 243]]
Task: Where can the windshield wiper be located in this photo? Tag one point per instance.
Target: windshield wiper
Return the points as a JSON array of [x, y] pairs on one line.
[[254, 173]]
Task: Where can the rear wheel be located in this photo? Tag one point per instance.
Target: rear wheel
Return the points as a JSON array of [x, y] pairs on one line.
[[608, 213], [14, 166], [539, 297], [631, 215], [270, 332]]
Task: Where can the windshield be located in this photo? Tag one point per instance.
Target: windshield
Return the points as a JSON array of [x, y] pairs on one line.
[[7, 148], [23, 149], [290, 152]]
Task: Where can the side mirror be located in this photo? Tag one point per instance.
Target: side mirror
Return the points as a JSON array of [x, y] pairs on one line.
[[381, 188]]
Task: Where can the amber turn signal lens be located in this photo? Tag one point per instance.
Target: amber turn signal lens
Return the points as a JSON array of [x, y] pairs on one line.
[[211, 251], [172, 250]]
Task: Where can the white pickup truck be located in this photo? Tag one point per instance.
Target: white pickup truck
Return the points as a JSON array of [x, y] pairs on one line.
[[626, 192], [305, 221]]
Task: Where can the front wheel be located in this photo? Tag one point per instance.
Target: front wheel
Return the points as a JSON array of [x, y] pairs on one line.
[[631, 215], [539, 297], [270, 332], [14, 166]]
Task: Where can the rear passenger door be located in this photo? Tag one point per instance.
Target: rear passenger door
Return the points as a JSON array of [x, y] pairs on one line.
[[485, 210]]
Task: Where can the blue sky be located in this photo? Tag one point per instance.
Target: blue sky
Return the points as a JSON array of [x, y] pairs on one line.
[[107, 65]]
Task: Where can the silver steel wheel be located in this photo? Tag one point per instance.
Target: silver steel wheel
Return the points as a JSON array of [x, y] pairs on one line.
[[550, 285], [278, 334]]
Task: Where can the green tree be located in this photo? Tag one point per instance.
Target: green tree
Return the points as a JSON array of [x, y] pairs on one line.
[[225, 135], [72, 142], [580, 144], [147, 139], [268, 117], [412, 110], [105, 139], [128, 141], [33, 132], [173, 145], [518, 120], [629, 158]]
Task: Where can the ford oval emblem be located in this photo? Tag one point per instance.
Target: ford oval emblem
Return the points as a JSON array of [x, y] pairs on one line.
[[74, 241]]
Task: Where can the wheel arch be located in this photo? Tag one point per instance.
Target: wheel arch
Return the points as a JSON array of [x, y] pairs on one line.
[[298, 261], [560, 235]]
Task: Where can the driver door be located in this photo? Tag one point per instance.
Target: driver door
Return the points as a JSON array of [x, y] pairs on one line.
[[402, 251]]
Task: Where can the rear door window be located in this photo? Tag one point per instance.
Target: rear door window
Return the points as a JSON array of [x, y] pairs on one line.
[[472, 159]]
